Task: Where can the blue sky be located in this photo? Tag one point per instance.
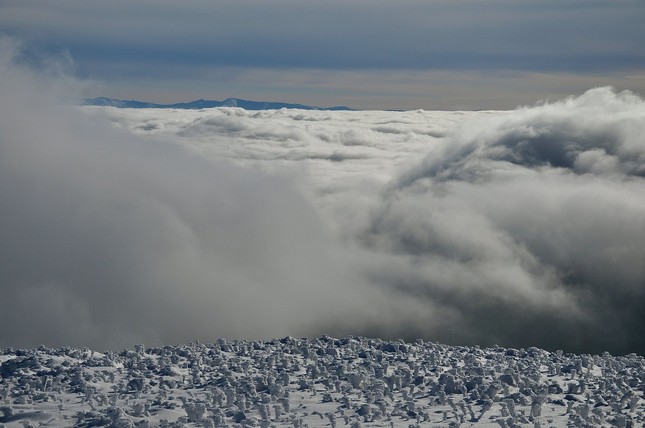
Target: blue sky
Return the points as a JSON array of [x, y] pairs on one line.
[[433, 54]]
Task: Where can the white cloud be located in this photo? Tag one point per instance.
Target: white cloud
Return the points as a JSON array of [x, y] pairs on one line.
[[465, 219], [110, 239], [544, 206], [520, 228]]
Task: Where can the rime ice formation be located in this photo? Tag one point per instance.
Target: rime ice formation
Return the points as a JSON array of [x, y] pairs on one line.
[[323, 381]]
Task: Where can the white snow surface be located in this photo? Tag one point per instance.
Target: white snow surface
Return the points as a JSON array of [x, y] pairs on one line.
[[319, 382]]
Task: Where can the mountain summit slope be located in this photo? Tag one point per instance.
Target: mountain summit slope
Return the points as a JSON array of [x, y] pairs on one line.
[[318, 382], [201, 103]]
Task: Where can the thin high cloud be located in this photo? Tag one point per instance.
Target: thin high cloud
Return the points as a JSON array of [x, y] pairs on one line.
[[498, 34]]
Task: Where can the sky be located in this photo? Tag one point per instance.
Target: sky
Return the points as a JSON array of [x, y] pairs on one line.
[[367, 54]]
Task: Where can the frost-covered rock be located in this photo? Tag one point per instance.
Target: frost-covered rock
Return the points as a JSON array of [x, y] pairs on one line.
[[323, 381]]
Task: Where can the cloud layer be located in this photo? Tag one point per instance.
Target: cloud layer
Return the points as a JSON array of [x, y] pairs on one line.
[[456, 34], [466, 220], [521, 228]]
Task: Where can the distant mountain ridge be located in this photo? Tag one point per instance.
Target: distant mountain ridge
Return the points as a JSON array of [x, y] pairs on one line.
[[200, 104]]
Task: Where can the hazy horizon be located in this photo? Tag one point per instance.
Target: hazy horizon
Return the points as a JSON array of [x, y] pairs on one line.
[[382, 55]]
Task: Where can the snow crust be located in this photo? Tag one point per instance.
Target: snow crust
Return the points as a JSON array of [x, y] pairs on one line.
[[353, 381]]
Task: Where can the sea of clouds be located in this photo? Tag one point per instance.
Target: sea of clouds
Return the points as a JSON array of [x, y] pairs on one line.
[[519, 228]]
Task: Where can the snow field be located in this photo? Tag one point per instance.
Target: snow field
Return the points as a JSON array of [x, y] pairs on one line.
[[323, 381]]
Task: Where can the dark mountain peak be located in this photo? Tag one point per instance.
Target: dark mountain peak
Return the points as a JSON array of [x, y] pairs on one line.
[[202, 103]]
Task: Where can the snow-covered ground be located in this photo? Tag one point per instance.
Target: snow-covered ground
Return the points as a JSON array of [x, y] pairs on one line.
[[319, 382]]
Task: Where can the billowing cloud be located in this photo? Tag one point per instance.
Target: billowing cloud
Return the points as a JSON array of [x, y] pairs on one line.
[[109, 239], [521, 228], [529, 225]]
